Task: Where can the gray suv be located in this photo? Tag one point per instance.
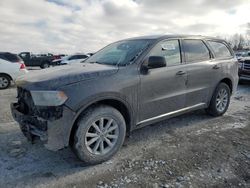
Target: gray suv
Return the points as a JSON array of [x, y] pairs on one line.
[[92, 106]]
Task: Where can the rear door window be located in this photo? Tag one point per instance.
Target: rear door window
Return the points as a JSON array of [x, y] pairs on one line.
[[220, 49], [195, 50]]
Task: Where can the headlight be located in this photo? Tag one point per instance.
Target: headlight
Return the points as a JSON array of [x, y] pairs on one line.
[[48, 98]]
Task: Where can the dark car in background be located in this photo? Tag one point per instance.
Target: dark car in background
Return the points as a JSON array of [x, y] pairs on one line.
[[56, 60], [40, 60], [59, 56], [244, 65], [124, 86], [244, 69]]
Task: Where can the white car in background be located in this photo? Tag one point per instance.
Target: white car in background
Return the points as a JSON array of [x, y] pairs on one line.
[[11, 67], [76, 58]]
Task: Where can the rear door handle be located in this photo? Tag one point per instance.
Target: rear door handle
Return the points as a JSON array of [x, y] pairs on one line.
[[180, 73], [216, 67]]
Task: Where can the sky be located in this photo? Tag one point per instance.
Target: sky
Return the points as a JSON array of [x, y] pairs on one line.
[[71, 26]]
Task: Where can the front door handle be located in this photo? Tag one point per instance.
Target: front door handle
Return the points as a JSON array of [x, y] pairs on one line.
[[180, 73], [216, 67]]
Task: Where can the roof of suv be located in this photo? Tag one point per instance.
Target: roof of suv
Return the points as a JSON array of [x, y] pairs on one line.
[[157, 37]]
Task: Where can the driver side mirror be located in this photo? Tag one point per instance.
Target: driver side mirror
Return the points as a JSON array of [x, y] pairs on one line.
[[156, 62]]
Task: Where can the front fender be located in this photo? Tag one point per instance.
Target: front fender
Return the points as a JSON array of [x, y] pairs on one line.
[[98, 99]]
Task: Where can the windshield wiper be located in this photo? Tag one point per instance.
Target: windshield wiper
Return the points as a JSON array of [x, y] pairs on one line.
[[102, 63], [138, 54]]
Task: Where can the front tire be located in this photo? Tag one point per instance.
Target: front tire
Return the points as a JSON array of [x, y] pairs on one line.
[[5, 81], [100, 134], [220, 100]]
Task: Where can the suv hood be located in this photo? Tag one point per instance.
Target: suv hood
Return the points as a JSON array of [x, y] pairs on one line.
[[53, 78]]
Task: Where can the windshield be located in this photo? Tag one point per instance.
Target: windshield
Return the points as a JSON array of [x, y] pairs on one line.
[[66, 57], [246, 54], [120, 53]]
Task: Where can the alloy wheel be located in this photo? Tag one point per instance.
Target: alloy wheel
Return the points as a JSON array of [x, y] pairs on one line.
[[222, 100], [101, 136], [4, 82]]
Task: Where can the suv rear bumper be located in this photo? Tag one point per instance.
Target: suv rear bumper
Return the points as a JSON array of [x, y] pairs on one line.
[[53, 133]]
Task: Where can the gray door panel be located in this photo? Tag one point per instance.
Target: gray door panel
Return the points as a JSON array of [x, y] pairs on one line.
[[202, 79], [162, 91], [203, 71]]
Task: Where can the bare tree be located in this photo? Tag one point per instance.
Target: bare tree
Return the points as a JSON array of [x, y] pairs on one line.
[[241, 42], [238, 41]]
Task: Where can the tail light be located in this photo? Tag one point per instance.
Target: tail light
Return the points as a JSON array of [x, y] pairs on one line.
[[22, 66]]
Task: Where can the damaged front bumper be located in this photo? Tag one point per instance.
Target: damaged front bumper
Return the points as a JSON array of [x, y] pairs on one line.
[[54, 133]]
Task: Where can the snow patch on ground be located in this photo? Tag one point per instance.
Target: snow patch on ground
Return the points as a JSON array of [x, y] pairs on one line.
[[236, 125]]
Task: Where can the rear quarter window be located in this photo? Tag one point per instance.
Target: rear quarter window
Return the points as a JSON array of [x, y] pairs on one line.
[[220, 49], [2, 56], [10, 57]]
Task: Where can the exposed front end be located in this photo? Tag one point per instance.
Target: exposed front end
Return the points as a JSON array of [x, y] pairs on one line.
[[50, 123]]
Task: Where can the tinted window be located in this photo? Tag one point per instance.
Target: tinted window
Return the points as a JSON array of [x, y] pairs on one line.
[[2, 56], [169, 49], [73, 57], [78, 57], [246, 54], [10, 57], [82, 56], [220, 49], [23, 55], [195, 50]]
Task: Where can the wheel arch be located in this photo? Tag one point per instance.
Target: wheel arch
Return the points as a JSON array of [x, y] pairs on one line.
[[225, 80], [229, 82], [6, 75], [48, 61], [116, 103]]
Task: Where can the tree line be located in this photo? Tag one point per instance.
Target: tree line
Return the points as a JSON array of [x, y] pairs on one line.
[[239, 42]]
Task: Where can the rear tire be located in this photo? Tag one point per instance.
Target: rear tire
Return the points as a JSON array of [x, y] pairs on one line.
[[5, 81], [99, 135], [45, 65], [220, 100]]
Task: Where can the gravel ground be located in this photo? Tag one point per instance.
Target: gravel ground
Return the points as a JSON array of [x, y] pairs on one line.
[[193, 150]]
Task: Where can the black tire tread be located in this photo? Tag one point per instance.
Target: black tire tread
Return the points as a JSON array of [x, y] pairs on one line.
[[211, 110], [8, 78], [43, 63], [88, 114]]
